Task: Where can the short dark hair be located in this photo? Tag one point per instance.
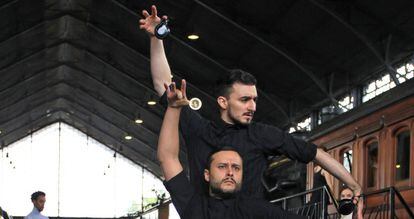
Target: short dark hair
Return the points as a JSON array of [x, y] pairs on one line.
[[224, 85], [224, 148], [36, 195]]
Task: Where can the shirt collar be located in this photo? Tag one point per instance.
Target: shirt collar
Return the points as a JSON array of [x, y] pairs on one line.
[[215, 202], [222, 126], [35, 210]]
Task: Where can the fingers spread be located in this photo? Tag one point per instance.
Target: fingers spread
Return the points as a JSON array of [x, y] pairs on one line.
[[153, 11], [145, 13], [179, 95], [184, 88]]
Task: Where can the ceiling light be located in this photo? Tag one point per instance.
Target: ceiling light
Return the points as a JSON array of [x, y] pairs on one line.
[[139, 121], [193, 37], [128, 137], [398, 166], [151, 102]]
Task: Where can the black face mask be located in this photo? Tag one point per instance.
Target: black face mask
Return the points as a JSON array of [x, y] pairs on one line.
[[346, 206]]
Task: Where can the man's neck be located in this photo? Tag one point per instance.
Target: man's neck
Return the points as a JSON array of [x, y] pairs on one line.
[[226, 120], [35, 209], [221, 195]]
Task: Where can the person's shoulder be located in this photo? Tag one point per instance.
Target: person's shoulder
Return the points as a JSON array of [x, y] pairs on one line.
[[262, 125], [253, 200], [179, 185], [256, 206], [28, 216], [260, 128]]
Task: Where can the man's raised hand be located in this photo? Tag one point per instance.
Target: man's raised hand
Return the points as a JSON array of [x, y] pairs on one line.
[[150, 21], [176, 98]]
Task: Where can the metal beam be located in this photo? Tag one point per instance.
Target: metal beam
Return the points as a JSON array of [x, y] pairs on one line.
[[38, 76], [154, 165], [308, 72], [62, 96], [396, 30], [284, 113], [60, 115], [87, 124], [360, 36], [7, 4]]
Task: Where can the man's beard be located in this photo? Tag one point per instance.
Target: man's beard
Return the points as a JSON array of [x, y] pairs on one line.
[[237, 121], [217, 192]]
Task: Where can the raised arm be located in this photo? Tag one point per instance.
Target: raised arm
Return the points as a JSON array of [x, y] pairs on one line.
[[160, 70], [168, 142], [338, 170]]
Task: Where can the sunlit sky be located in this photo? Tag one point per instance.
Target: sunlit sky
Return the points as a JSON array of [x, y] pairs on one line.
[[80, 176]]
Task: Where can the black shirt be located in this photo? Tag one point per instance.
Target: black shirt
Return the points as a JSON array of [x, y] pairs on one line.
[[255, 142], [319, 181], [189, 204]]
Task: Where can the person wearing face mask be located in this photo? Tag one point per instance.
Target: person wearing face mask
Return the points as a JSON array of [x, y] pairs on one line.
[[347, 194]]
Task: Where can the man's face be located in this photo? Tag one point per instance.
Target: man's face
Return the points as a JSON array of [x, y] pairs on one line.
[[240, 105], [225, 174], [39, 203], [346, 194]]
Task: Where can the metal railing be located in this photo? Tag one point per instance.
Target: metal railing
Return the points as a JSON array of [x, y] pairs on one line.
[[388, 201], [391, 201], [313, 210], [148, 210]]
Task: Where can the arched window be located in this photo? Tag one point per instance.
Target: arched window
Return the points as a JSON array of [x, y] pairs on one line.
[[371, 163], [346, 159], [402, 156]]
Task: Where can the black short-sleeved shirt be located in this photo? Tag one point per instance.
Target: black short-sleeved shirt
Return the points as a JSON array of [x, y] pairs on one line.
[[189, 204], [255, 142]]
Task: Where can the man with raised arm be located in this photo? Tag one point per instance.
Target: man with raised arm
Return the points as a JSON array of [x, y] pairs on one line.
[[236, 98], [223, 173]]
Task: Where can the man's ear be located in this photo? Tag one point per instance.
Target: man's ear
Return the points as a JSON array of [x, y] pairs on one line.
[[222, 102], [206, 175]]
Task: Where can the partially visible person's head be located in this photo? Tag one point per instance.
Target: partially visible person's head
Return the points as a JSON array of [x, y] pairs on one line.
[[236, 97], [38, 200], [346, 193], [224, 172]]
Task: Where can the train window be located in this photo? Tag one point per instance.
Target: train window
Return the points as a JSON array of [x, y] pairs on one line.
[[372, 163], [402, 162]]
